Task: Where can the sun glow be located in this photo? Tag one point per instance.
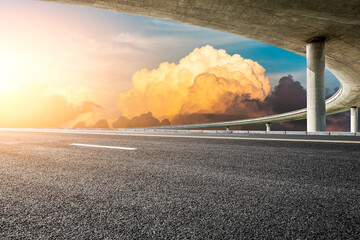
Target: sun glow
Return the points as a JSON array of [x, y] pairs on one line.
[[11, 68], [18, 67]]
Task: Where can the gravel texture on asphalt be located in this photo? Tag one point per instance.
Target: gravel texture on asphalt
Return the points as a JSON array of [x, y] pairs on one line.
[[176, 188]]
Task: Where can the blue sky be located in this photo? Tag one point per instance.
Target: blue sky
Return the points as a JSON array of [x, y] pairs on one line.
[[182, 38], [276, 61]]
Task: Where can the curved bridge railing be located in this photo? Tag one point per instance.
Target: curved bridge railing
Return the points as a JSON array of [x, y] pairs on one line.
[[282, 117]]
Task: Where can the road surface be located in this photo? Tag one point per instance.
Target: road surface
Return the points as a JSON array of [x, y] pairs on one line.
[[178, 186]]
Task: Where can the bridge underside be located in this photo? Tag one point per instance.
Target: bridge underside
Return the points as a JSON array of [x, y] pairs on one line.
[[281, 23]]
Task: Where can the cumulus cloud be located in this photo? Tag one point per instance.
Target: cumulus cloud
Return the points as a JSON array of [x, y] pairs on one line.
[[287, 95], [208, 85], [196, 84]]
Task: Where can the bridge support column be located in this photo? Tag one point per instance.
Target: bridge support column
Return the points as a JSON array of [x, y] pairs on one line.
[[315, 58], [268, 127], [354, 124]]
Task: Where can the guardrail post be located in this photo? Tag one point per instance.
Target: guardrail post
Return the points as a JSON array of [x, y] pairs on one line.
[[268, 127], [315, 63], [354, 124]]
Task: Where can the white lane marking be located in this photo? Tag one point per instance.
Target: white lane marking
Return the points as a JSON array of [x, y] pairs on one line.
[[101, 146], [179, 136]]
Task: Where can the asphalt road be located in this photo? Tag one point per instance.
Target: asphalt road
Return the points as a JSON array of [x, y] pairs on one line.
[[178, 187]]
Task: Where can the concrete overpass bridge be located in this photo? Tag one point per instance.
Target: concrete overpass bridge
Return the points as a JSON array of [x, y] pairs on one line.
[[327, 32]]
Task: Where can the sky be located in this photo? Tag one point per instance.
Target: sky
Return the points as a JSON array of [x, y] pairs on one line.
[[64, 64]]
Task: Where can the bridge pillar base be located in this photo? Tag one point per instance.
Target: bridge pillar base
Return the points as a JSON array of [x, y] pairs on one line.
[[315, 63], [268, 127], [354, 120]]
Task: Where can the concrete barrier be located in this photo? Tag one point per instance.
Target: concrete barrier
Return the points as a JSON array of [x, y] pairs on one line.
[[209, 131], [276, 132], [240, 132], [342, 133], [295, 132], [147, 130], [160, 130], [222, 131], [318, 133], [231, 132], [257, 132], [183, 131], [196, 131]]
